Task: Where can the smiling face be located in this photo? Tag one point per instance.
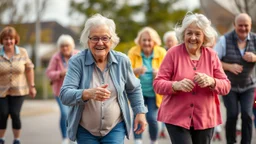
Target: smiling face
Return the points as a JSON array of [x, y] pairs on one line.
[[8, 42], [99, 48], [146, 43], [66, 49], [193, 38], [243, 26]]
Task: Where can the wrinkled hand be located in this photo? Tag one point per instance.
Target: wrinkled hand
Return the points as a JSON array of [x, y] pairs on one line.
[[100, 93], [185, 85], [140, 123], [63, 73], [249, 56], [155, 71], [140, 70], [32, 92], [235, 68], [203, 80]]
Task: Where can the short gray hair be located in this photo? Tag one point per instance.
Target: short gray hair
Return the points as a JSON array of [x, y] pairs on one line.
[[168, 34], [65, 39], [202, 22], [153, 34], [98, 20]]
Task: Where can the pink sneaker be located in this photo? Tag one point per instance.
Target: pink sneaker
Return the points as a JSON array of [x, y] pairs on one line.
[[162, 135]]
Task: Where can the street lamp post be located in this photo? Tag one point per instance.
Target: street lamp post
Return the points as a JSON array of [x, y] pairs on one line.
[[38, 36]]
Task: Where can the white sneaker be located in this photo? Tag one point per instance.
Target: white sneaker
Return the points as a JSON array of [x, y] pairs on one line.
[[65, 141], [71, 142], [137, 141], [153, 142]]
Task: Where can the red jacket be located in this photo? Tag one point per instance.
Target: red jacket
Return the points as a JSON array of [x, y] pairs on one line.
[[181, 108]]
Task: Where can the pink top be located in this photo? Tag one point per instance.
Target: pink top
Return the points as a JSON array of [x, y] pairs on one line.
[[202, 104], [53, 72]]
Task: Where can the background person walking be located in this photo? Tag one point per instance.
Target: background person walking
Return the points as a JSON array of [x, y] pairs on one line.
[[146, 58], [56, 72], [236, 51], [16, 81]]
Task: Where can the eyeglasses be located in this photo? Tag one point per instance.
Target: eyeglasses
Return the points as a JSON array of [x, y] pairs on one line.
[[95, 39]]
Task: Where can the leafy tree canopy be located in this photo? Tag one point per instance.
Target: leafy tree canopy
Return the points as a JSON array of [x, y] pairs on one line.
[[130, 18]]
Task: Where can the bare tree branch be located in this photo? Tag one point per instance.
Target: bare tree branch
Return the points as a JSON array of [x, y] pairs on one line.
[[238, 4], [5, 5], [44, 6]]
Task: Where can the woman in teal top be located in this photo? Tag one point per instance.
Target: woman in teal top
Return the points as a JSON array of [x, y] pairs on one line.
[[146, 58]]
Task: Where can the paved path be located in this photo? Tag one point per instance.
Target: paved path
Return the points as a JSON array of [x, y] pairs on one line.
[[40, 122]]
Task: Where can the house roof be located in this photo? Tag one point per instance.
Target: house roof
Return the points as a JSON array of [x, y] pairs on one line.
[[50, 32]]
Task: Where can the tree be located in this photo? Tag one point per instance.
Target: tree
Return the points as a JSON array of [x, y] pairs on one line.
[[130, 18], [245, 5], [119, 11], [9, 9]]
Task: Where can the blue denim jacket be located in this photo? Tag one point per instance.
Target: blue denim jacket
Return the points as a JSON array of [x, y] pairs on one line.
[[78, 78]]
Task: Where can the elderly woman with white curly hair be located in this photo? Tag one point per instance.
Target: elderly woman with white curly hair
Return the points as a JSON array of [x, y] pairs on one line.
[[190, 78], [99, 88], [170, 39], [56, 72]]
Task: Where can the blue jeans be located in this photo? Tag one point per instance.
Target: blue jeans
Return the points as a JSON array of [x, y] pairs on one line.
[[233, 101], [115, 136], [151, 117], [63, 117], [254, 112]]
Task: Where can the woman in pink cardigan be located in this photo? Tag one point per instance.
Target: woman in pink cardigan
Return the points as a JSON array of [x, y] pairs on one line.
[[190, 78], [56, 72]]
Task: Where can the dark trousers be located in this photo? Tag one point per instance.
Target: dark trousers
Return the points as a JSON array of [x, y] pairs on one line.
[[233, 101], [11, 105], [180, 135]]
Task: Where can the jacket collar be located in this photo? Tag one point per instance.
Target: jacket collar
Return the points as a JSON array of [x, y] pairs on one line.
[[236, 37], [89, 60], [2, 52], [156, 52]]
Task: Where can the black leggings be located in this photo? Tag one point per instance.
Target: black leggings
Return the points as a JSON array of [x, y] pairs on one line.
[[180, 135], [11, 105]]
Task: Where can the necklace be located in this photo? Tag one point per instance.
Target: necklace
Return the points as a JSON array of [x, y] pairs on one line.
[[194, 64], [194, 59]]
